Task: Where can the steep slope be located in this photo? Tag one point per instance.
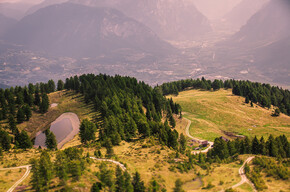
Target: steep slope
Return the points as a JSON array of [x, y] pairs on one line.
[[5, 23], [172, 20], [80, 31], [270, 24], [15, 10], [241, 13], [214, 9], [275, 59]]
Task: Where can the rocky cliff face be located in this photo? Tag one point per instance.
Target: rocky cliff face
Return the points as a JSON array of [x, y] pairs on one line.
[[170, 19]]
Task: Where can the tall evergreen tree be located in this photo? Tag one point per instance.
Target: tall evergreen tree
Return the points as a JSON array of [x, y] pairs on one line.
[[87, 131], [120, 180], [23, 140], [61, 167], [60, 85], [12, 124], [255, 146], [182, 142], [50, 141], [20, 116], [44, 105], [42, 172], [272, 146], [138, 184]]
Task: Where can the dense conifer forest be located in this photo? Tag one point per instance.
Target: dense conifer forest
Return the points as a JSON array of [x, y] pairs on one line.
[[16, 106], [122, 102]]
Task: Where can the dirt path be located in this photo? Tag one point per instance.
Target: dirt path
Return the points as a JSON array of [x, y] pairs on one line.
[[27, 167], [110, 160], [188, 135], [243, 175]]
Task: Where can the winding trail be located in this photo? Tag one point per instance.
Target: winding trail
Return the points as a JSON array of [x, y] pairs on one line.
[[188, 135], [244, 178], [110, 160], [27, 167], [243, 175]]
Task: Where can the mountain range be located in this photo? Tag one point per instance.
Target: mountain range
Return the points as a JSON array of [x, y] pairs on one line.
[[79, 31]]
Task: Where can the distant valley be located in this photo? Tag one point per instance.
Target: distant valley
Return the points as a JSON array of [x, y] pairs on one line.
[[57, 40]]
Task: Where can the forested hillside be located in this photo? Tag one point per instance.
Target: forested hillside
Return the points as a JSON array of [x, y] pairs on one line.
[[122, 102], [263, 94]]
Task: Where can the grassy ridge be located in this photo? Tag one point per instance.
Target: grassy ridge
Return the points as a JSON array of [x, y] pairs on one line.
[[212, 113]]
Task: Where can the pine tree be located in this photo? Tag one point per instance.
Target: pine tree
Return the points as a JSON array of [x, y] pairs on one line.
[[60, 85], [27, 112], [12, 124], [5, 140], [272, 146], [51, 86], [50, 141], [97, 187], [120, 180], [182, 142], [87, 131], [262, 147], [44, 105], [37, 97], [75, 169], [247, 100], [109, 148], [138, 184], [42, 172], [178, 186], [127, 182], [255, 146], [172, 121], [106, 176], [23, 140], [20, 116], [61, 167]]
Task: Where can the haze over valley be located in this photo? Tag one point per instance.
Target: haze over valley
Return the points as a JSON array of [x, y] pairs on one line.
[[155, 41]]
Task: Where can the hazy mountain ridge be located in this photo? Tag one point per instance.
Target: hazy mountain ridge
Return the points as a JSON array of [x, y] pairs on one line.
[[241, 13], [270, 24], [79, 31], [171, 20], [6, 23]]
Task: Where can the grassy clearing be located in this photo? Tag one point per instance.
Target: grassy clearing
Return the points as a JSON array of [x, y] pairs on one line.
[[9, 177], [212, 113], [150, 160]]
